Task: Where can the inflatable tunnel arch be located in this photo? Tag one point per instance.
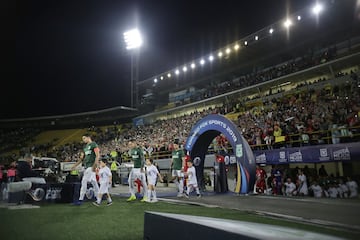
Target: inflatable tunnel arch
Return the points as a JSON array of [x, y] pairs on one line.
[[202, 134]]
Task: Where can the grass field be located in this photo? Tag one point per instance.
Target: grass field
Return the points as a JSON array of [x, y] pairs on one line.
[[122, 220]]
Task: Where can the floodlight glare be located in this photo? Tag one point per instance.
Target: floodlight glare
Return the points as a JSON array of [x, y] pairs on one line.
[[161, 78], [256, 38], [193, 65], [236, 47], [245, 43], [220, 54], [317, 9], [299, 18], [271, 30], [287, 23], [177, 72], [169, 75], [133, 39], [202, 61], [184, 69], [155, 80], [228, 50], [211, 57]]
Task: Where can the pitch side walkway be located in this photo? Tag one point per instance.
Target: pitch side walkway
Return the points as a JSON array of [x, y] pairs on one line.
[[339, 213]]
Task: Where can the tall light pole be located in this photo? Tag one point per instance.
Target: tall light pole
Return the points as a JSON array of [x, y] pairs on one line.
[[133, 42]]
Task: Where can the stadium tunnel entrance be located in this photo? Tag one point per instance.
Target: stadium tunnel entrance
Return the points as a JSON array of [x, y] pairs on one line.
[[202, 134]]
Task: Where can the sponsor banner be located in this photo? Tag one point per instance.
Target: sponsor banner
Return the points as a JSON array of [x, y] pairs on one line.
[[310, 154]]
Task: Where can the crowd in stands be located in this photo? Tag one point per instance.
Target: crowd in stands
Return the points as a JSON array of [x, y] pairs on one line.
[[310, 59], [304, 118], [282, 180]]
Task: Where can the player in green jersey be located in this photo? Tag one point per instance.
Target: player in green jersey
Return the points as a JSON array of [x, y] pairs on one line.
[[177, 164], [90, 159], [138, 171]]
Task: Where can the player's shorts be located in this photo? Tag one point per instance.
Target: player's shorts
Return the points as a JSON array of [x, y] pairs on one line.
[[151, 180], [177, 173], [104, 188]]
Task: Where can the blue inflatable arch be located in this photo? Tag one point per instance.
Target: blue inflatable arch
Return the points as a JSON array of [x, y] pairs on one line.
[[202, 134]]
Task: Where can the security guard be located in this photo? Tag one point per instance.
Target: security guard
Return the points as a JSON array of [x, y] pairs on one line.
[[114, 169]]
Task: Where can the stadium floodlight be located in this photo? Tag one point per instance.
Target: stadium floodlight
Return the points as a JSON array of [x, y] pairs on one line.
[[317, 8], [184, 69], [161, 78], [177, 72], [155, 80], [202, 61], [133, 39], [287, 23], [236, 47], [245, 43], [256, 38], [298, 17], [193, 65], [211, 58], [228, 51], [271, 30], [220, 54], [169, 75]]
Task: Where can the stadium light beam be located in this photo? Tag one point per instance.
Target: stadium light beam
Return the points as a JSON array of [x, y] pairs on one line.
[[287, 23], [317, 9]]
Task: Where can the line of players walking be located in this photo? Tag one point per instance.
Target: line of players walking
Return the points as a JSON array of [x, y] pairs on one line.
[[182, 169], [143, 172]]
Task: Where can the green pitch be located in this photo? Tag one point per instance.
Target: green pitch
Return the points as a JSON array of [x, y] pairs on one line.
[[122, 220]]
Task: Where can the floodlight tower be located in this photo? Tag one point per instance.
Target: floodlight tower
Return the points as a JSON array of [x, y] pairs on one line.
[[133, 41]]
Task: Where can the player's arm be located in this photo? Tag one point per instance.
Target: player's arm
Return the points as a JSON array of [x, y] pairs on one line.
[[110, 177], [142, 161], [97, 158], [160, 177], [81, 158]]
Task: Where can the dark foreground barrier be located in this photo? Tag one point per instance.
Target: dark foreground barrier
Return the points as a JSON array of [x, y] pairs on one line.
[[48, 192], [179, 227]]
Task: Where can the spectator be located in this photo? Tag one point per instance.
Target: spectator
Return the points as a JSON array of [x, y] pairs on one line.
[[11, 173], [353, 187], [322, 171], [303, 187], [290, 188], [316, 189]]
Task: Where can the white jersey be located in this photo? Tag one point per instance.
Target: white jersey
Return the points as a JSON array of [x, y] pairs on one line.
[[290, 187], [333, 192], [353, 187], [303, 184], [317, 190], [151, 173], [104, 175], [191, 173]]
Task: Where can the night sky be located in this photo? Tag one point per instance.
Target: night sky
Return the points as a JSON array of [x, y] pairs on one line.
[[70, 56]]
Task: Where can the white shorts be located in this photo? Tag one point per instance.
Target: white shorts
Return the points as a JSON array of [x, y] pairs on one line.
[[151, 180], [177, 173], [89, 175], [104, 188]]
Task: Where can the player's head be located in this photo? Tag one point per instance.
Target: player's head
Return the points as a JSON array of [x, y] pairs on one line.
[[86, 138], [103, 162], [149, 161], [176, 144], [189, 163], [132, 143]]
